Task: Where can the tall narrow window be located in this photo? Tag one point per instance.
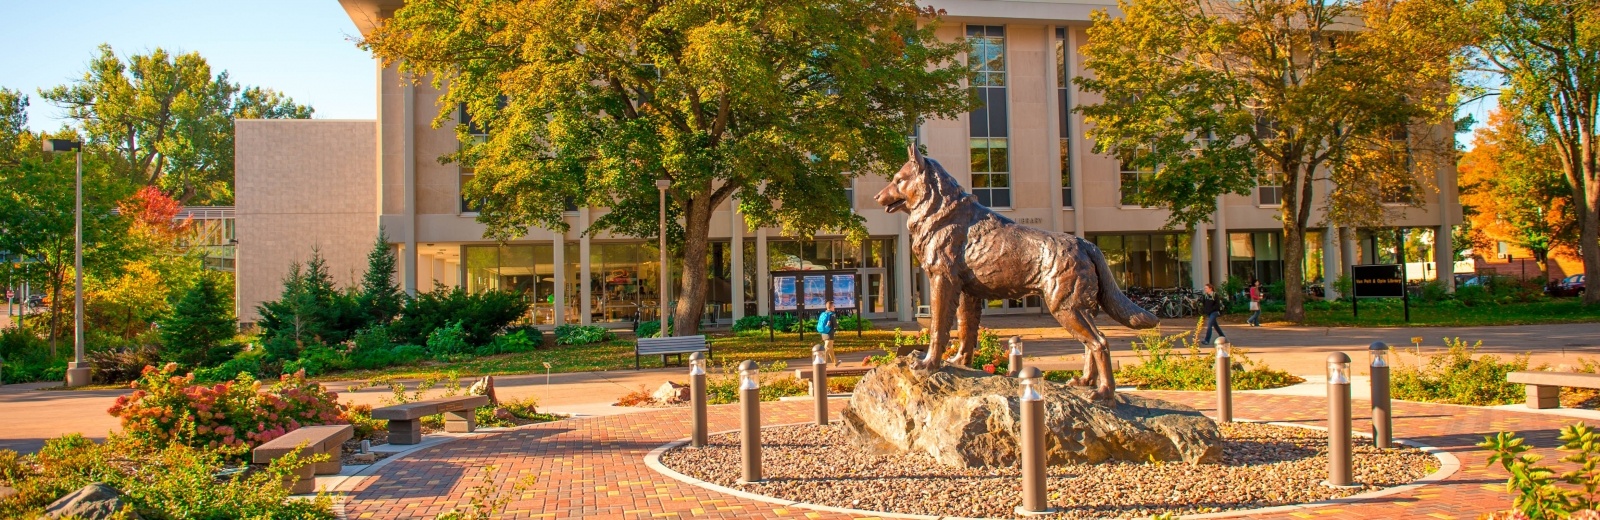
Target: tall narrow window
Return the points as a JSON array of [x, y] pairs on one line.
[[1063, 99], [1400, 190], [1133, 177], [465, 172], [991, 164]]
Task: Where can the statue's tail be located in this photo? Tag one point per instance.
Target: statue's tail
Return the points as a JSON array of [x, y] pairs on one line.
[[1113, 301]]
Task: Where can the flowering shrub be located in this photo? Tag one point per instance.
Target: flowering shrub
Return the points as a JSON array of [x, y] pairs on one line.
[[233, 416]]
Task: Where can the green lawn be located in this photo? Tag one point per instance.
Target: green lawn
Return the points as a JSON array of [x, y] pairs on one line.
[[726, 348], [1388, 313]]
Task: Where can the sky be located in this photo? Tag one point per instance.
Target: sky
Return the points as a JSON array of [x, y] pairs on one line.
[[302, 48]]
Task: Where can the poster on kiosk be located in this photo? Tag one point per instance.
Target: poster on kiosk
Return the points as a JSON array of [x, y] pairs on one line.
[[808, 292]]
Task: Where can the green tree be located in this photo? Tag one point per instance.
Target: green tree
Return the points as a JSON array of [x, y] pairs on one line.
[[1216, 96], [380, 295], [775, 104], [36, 210], [1547, 53], [169, 119], [310, 310], [200, 331]]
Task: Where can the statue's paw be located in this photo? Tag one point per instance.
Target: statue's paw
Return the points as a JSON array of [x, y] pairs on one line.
[[1105, 395], [926, 364], [1080, 381]]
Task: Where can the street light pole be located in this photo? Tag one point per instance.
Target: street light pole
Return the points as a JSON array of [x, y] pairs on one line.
[[78, 369], [665, 275]]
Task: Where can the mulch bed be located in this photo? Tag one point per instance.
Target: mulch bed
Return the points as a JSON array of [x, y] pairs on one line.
[[1263, 465]]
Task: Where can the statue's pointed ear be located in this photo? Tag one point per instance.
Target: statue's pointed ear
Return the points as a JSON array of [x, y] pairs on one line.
[[914, 154]]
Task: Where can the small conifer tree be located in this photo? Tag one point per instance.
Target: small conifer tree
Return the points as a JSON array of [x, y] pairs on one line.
[[200, 331]]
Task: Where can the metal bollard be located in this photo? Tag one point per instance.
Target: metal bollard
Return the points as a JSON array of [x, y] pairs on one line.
[[1034, 485], [1382, 418], [1338, 420], [1016, 357], [1224, 380], [750, 424], [697, 398], [819, 382]]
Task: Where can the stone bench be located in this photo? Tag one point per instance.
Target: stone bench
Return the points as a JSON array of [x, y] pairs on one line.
[[1544, 388], [311, 440], [679, 345], [804, 374], [405, 420]]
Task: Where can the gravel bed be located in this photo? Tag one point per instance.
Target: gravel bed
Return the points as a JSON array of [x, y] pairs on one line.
[[1263, 465]]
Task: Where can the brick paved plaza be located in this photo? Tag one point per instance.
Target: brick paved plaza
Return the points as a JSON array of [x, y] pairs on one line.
[[594, 467]]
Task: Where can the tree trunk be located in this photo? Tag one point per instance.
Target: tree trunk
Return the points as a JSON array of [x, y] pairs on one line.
[[1294, 256], [692, 293]]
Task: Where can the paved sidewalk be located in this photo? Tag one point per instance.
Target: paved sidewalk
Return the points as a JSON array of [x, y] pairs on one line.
[[1298, 350], [594, 467]]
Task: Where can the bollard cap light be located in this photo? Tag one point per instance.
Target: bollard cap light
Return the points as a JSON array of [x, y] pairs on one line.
[[1030, 378], [1016, 345], [1338, 369], [1224, 348], [819, 355], [1379, 352], [749, 376], [697, 364]]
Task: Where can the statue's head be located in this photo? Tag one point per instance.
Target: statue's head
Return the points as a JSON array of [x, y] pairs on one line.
[[921, 179]]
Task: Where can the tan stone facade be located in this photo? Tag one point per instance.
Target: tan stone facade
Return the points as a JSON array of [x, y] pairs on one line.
[[400, 183], [301, 184]]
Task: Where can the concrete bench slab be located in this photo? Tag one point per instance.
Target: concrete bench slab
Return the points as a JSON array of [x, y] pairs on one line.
[[1544, 388], [311, 440], [405, 420]]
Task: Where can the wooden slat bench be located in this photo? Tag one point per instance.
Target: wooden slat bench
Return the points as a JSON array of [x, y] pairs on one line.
[[804, 374], [405, 420], [316, 440], [1544, 388], [679, 345]]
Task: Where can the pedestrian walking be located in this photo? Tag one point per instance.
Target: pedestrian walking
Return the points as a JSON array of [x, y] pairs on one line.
[[1211, 307], [826, 323], [1255, 304]]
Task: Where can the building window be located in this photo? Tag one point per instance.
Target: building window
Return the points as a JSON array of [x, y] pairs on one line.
[[1133, 177], [1401, 191], [1269, 190], [850, 191], [1063, 100], [991, 167], [465, 172]]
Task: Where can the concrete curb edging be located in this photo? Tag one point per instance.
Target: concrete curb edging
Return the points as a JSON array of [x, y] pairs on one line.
[[1448, 466]]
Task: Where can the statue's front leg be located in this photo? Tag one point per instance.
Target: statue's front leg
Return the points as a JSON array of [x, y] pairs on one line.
[[945, 294], [970, 311]]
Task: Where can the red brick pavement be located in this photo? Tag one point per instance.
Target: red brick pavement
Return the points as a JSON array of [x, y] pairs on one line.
[[594, 467]]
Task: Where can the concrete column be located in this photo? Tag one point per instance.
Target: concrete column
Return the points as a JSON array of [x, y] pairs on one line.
[[1330, 252], [763, 278], [1053, 131], [1444, 257], [1075, 142], [737, 227], [1219, 247], [1198, 274], [426, 271], [1347, 249], [585, 300], [559, 258], [408, 168], [904, 306]]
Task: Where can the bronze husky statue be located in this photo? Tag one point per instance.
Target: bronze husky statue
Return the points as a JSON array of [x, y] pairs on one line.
[[973, 254]]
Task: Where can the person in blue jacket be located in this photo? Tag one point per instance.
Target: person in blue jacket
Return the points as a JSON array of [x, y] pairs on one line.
[[826, 323]]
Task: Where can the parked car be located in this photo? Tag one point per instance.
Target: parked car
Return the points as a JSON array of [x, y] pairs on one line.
[[1487, 280], [1569, 286]]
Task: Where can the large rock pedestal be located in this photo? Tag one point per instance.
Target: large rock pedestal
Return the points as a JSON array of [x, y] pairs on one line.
[[969, 418]]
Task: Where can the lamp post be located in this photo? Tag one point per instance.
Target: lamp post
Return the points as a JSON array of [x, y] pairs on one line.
[[819, 382], [1382, 422], [697, 398], [78, 369], [664, 275], [1338, 421], [1034, 487], [1224, 380], [1015, 357], [750, 421]]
